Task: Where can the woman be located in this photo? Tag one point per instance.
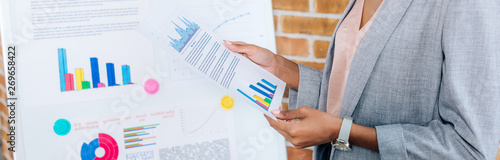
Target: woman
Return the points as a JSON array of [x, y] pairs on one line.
[[420, 79]]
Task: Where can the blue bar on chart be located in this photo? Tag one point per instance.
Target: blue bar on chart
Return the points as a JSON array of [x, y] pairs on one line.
[[126, 74], [260, 91], [63, 68], [268, 83], [110, 68], [94, 65]]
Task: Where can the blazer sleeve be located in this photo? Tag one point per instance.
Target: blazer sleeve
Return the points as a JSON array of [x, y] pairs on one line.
[[468, 125], [309, 89]]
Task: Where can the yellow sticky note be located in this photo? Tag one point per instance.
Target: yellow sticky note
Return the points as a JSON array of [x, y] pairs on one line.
[[227, 102]]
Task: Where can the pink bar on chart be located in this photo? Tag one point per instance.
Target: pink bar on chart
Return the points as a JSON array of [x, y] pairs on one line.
[[262, 105], [99, 85], [70, 84]]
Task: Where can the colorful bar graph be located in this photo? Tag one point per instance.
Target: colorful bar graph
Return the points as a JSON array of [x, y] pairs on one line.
[[138, 139], [270, 84], [79, 78], [69, 81], [63, 68], [76, 81], [262, 100], [140, 128], [260, 91], [138, 145], [126, 74], [264, 94], [266, 107], [139, 136], [94, 65], [265, 87], [110, 68], [132, 134]]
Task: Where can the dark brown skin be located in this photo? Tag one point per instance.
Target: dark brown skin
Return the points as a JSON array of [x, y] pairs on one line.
[[369, 9], [305, 126]]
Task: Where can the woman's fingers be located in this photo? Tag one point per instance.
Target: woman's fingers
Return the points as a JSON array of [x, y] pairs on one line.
[[260, 56], [237, 42], [241, 47], [282, 132], [277, 124], [291, 114]]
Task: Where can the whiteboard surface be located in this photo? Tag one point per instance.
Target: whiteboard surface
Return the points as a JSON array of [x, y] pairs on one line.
[[183, 93]]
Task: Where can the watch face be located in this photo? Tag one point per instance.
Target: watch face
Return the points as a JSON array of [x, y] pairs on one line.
[[342, 147]]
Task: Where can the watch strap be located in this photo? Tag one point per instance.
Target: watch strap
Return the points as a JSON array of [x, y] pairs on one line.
[[345, 129]]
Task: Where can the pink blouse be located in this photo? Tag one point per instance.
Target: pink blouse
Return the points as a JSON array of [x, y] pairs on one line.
[[347, 41]]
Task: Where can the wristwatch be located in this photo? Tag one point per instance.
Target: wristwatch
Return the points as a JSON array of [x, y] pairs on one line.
[[342, 142]]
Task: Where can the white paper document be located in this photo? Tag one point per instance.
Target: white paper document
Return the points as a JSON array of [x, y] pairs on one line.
[[202, 50], [103, 31]]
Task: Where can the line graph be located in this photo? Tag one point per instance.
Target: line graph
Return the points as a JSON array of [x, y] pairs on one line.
[[231, 19], [202, 120]]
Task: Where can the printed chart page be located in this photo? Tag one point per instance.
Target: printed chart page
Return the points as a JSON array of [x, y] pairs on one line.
[[236, 20], [82, 73], [87, 46], [204, 51]]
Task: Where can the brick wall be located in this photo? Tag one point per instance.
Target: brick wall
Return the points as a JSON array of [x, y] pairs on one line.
[[303, 32], [304, 29]]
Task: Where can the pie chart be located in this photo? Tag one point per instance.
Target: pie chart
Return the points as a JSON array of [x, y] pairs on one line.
[[106, 142]]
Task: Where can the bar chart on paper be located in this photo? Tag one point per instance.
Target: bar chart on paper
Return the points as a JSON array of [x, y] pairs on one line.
[[77, 81], [263, 93], [139, 136]]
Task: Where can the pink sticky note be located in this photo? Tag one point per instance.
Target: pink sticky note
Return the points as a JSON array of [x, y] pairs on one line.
[[152, 86]]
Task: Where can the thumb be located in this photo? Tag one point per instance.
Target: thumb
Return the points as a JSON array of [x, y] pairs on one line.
[[290, 114], [241, 47]]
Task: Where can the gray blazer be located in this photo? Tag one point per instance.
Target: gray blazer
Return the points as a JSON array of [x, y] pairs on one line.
[[426, 76]]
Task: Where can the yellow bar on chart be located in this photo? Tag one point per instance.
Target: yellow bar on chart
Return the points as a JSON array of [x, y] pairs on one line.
[[79, 78], [261, 100]]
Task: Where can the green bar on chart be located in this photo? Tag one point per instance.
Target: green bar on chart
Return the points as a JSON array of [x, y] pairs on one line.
[[85, 85]]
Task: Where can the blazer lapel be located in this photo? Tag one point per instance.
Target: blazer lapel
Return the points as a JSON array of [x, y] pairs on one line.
[[369, 50]]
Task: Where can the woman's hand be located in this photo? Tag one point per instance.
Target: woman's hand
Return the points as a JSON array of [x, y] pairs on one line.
[[304, 127], [282, 68], [261, 56]]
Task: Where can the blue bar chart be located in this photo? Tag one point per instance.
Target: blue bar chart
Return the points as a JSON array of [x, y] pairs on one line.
[[76, 81], [185, 34], [263, 93]]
